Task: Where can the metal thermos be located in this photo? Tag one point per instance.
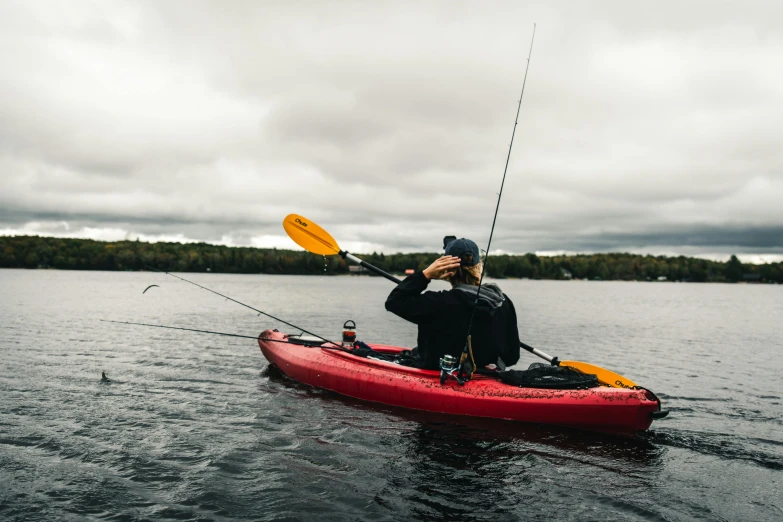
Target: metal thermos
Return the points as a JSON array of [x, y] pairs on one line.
[[349, 334]]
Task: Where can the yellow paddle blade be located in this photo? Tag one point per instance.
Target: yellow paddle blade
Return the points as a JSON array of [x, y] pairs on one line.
[[615, 380], [310, 236]]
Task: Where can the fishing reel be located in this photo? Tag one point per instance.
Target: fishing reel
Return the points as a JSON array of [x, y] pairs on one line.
[[449, 368]]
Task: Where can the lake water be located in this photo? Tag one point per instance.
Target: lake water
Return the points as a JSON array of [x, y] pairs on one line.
[[194, 427]]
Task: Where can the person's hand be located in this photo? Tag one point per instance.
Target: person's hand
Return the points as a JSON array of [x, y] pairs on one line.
[[442, 268]]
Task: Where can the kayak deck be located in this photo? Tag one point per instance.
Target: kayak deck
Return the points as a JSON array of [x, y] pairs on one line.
[[614, 410]]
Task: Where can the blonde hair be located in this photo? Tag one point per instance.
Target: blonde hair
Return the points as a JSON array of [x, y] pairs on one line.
[[467, 275]]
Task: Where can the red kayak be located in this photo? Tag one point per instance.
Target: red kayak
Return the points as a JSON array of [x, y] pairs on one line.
[[613, 410]]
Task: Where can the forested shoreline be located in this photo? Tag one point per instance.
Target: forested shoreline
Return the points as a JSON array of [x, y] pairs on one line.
[[86, 254]]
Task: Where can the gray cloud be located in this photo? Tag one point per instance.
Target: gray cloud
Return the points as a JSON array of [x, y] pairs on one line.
[[643, 127]]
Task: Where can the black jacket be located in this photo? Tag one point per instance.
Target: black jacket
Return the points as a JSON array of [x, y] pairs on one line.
[[443, 319]]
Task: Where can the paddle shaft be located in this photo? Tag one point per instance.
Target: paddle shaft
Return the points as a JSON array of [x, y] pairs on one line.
[[536, 351], [314, 239], [371, 268]]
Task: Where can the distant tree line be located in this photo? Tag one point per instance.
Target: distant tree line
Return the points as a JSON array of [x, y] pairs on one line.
[[85, 254]]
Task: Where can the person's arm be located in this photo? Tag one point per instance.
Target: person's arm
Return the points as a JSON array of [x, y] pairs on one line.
[[511, 350], [407, 300]]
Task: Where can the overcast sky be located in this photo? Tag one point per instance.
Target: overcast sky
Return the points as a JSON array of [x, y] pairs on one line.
[[645, 126]]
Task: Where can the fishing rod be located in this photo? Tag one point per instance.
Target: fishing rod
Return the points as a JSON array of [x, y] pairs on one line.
[[245, 305], [179, 328], [336, 347], [500, 194]]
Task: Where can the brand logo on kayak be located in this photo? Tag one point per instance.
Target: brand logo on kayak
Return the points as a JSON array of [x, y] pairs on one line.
[[301, 222], [621, 384]]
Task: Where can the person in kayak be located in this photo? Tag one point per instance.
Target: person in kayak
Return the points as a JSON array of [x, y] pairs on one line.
[[443, 317]]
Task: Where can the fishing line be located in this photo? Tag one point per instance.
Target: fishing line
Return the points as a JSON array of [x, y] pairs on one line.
[[216, 333], [243, 304], [179, 328], [502, 183]]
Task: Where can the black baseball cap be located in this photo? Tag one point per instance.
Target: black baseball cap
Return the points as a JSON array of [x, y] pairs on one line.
[[460, 247]]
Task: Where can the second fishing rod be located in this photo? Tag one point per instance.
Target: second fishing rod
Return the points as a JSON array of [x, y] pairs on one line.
[[259, 312]]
